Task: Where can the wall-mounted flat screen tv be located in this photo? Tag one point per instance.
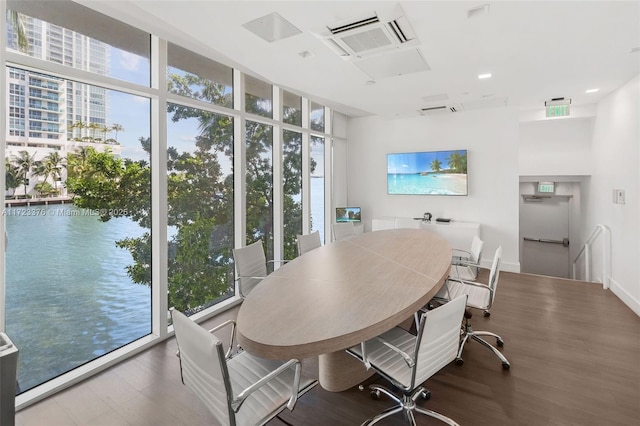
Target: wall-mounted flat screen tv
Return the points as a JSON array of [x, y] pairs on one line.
[[427, 173], [348, 214]]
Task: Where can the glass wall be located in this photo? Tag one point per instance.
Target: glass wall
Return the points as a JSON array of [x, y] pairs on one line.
[[200, 208], [258, 97], [316, 190], [82, 270], [74, 286], [259, 181], [292, 191]]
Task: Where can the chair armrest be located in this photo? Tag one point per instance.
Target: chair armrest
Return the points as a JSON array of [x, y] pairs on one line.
[[471, 283], [463, 253], [245, 276], [407, 358], [242, 396], [278, 261], [233, 334]]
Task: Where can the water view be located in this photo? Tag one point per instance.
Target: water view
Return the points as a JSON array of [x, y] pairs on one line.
[[69, 298]]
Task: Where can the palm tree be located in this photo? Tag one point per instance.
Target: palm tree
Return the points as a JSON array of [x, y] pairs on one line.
[[458, 162], [57, 164], [12, 175], [17, 23], [93, 127], [24, 162], [54, 164], [79, 125], [436, 165], [117, 128]]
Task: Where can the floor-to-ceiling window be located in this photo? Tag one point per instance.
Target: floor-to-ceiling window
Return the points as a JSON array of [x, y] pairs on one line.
[[316, 189], [82, 270], [292, 190], [200, 183], [77, 196]]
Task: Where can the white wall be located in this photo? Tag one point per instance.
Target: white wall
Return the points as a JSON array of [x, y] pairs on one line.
[[560, 146], [616, 156], [491, 138]]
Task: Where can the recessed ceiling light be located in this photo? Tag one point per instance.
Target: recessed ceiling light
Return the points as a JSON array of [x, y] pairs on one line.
[[478, 11], [306, 54], [591, 91], [484, 76]]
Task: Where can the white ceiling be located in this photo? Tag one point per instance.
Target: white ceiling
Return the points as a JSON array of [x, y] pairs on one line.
[[535, 50]]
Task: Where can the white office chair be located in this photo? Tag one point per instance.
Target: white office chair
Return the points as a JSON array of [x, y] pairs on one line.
[[308, 242], [251, 266], [466, 264], [480, 296], [407, 361], [240, 389], [343, 230]]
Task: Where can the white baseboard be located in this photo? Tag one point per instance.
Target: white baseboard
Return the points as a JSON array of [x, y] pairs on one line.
[[504, 266], [623, 295]]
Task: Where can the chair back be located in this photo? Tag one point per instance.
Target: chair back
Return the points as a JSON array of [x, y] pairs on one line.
[[250, 263], [308, 242], [343, 230], [437, 339], [494, 273], [476, 249], [203, 367]]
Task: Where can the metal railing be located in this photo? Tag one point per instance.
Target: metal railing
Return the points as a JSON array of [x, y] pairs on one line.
[[586, 250]]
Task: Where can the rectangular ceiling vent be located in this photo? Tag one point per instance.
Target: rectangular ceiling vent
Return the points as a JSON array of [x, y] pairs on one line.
[[369, 35], [441, 109]]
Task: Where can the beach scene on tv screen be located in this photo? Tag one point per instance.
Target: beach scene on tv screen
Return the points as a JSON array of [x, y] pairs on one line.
[[348, 214], [427, 173]]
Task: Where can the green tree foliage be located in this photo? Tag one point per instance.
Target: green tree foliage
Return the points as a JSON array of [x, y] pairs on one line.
[[199, 197], [436, 165], [458, 162]]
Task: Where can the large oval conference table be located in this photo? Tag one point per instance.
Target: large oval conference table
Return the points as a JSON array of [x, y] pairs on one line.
[[341, 294]]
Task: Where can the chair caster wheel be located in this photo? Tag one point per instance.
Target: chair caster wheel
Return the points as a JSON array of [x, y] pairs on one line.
[[459, 361], [487, 314], [426, 395], [500, 342], [375, 394], [506, 366]]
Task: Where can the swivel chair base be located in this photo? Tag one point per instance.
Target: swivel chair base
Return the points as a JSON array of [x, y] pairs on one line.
[[406, 404], [469, 333]]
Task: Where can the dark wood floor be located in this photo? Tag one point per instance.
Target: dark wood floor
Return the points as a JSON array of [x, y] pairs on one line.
[[574, 350]]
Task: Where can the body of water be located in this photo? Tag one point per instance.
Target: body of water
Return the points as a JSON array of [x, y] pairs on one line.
[[429, 184], [69, 299]]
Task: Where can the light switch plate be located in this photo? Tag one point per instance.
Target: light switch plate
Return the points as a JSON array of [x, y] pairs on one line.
[[618, 196]]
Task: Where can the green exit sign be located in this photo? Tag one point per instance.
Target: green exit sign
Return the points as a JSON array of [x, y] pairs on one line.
[[557, 110]]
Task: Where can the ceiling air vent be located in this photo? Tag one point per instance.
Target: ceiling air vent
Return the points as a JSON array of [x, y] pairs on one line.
[[441, 109], [369, 34]]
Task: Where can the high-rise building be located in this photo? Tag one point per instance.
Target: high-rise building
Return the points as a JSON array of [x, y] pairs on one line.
[[44, 110]]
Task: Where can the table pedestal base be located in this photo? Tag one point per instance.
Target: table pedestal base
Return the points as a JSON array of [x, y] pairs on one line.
[[339, 371]]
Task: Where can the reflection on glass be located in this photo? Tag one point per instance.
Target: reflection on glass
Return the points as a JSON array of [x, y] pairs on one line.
[[259, 177], [291, 109], [197, 77], [292, 190], [316, 121], [200, 208], [114, 49], [258, 97], [78, 267], [317, 185]]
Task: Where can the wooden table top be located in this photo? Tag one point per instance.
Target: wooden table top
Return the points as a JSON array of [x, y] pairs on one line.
[[343, 293]]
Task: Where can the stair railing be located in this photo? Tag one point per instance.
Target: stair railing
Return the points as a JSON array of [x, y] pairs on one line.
[[586, 250]]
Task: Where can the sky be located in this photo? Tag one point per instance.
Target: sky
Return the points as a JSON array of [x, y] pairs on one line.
[[416, 162]]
